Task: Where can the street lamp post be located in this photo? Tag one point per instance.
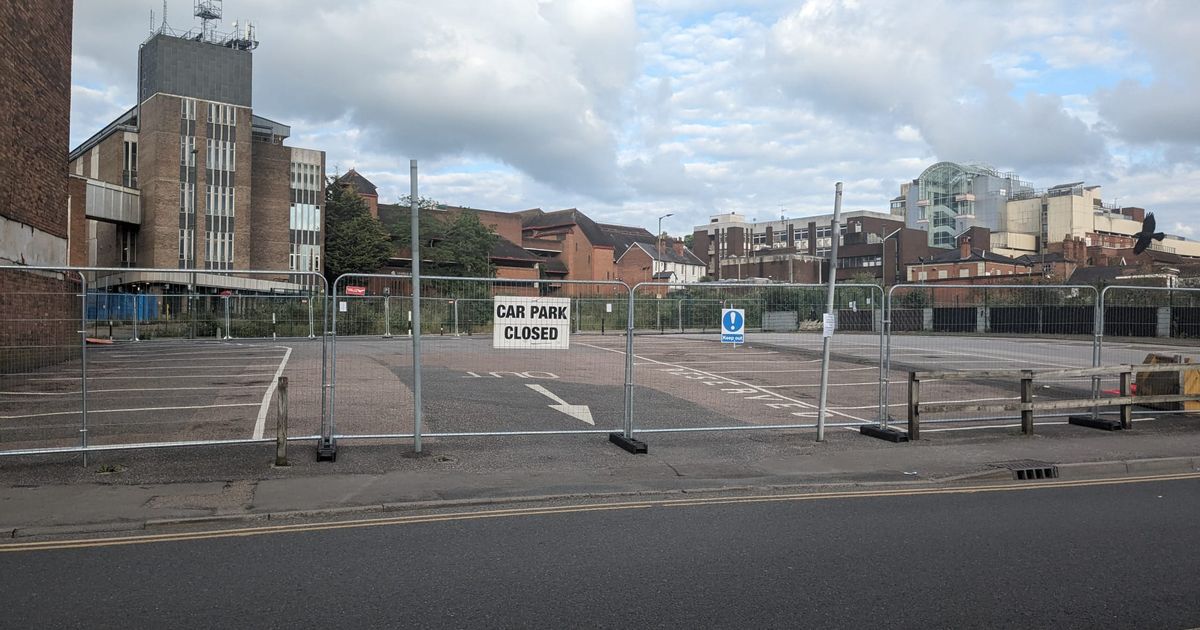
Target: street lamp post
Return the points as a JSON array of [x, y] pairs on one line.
[[883, 255], [660, 246]]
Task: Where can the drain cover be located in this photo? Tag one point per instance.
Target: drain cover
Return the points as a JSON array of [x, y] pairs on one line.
[[1029, 469]]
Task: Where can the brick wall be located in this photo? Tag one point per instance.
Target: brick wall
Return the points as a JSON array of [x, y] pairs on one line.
[[77, 244], [35, 106], [158, 178], [269, 211], [41, 322]]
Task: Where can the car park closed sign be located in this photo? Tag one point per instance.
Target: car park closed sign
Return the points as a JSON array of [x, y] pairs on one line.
[[531, 323]]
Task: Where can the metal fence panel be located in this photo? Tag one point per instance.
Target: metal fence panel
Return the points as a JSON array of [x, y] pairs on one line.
[[935, 327], [166, 365], [41, 360], [686, 379], [476, 380], [1143, 324]]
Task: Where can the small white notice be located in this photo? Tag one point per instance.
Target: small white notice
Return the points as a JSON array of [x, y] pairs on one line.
[[341, 307], [608, 307], [828, 324], [538, 323]]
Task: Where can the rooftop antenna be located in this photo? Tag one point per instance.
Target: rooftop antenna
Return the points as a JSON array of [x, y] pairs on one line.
[[207, 11]]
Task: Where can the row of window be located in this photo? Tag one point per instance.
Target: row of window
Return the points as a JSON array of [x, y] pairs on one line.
[[222, 155], [305, 258], [220, 200], [218, 250], [221, 114], [305, 217], [306, 176]]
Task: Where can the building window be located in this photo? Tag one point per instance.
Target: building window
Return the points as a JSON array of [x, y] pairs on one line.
[[824, 232]]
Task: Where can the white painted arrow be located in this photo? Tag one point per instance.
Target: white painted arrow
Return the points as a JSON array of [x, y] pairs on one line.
[[575, 411]]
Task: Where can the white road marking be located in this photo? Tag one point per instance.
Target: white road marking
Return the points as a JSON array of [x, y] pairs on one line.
[[131, 389], [260, 424], [155, 378], [807, 370], [92, 371], [92, 411], [743, 383], [874, 383], [580, 412]]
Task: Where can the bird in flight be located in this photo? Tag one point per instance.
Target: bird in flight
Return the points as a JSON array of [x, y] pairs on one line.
[[1147, 233]]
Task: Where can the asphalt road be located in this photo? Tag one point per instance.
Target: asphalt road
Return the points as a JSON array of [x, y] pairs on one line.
[[1119, 555]]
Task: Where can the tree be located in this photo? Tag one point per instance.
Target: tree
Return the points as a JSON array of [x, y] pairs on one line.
[[355, 242], [451, 244]]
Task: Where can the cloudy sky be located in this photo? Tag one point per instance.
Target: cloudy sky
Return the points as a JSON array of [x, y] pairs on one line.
[[631, 110]]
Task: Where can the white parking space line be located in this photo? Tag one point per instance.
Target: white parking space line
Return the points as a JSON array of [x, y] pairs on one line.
[[191, 360], [136, 409], [156, 378], [715, 362], [858, 369], [132, 389], [106, 371], [872, 383], [261, 423], [762, 389]]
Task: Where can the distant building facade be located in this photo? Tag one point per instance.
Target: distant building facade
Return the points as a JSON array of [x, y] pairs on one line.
[[191, 178], [798, 250]]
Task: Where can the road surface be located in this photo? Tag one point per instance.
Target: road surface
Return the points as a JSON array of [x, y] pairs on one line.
[[1114, 555]]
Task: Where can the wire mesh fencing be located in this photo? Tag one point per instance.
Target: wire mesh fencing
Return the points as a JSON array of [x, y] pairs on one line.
[[500, 357], [168, 357], [972, 327], [701, 378], [1145, 324], [42, 348]]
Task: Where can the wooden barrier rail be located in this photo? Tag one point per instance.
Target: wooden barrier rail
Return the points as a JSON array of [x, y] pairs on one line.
[[1027, 405]]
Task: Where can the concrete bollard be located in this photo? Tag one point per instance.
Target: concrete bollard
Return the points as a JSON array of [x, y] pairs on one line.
[[281, 422]]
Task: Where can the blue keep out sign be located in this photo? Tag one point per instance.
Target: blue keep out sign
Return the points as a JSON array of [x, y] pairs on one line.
[[733, 325]]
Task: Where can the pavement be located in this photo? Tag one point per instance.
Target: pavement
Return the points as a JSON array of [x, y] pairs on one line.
[[118, 491]]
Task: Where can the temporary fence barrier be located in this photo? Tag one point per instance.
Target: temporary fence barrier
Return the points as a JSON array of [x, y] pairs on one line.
[[971, 327], [701, 379], [152, 362], [1148, 324], [108, 358], [517, 372]]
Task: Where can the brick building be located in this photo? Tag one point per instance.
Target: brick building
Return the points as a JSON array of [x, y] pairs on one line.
[[191, 178], [798, 250], [41, 311], [363, 187]]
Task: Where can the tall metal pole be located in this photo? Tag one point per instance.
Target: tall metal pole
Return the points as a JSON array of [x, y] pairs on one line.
[[193, 173], [835, 235], [83, 384], [416, 306]]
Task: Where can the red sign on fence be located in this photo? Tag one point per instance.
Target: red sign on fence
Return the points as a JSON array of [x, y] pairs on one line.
[[353, 290]]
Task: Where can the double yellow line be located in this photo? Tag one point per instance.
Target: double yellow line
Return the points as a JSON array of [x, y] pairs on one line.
[[571, 509]]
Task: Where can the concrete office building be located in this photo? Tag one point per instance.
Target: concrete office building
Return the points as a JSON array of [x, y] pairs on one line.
[[191, 178], [948, 199]]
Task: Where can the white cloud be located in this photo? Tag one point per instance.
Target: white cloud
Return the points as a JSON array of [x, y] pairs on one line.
[[700, 106]]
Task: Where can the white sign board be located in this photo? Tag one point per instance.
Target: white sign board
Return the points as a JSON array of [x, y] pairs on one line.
[[540, 323], [733, 325], [341, 307], [828, 324]]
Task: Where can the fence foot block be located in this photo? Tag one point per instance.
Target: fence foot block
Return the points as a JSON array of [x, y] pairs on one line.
[[326, 451], [1107, 424], [637, 447], [890, 434]]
